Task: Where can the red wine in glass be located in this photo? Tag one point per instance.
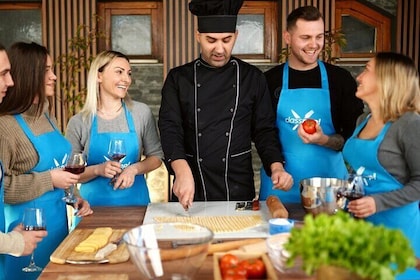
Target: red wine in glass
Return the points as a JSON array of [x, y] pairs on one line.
[[76, 169], [351, 195], [116, 151], [33, 219], [117, 157], [75, 164]]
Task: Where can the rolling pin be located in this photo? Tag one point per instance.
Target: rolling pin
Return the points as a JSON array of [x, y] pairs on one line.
[[231, 245], [276, 207], [181, 252]]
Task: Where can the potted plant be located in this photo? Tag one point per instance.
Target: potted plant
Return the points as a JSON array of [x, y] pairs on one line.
[[347, 247]]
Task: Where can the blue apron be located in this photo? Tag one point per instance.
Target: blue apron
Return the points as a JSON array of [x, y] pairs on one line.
[[52, 203], [363, 152], [98, 191], [304, 160], [2, 225]]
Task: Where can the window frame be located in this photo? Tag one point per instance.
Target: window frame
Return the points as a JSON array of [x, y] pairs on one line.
[[27, 6], [380, 22], [270, 12], [107, 9]]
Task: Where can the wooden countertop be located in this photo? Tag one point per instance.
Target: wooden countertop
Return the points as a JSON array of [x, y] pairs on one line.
[[127, 217]]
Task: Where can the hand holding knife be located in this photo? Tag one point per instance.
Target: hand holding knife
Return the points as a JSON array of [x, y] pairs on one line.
[[187, 205]]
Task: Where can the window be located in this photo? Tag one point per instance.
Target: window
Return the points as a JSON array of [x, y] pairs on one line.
[[133, 28], [366, 30], [257, 27], [20, 22]]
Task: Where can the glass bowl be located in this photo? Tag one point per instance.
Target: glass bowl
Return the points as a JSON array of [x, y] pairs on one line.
[[173, 251], [279, 256]]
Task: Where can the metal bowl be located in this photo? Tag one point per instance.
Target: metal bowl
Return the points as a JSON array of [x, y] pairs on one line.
[[168, 250], [319, 195]]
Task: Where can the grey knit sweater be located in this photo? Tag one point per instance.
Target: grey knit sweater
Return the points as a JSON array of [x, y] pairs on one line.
[[399, 154]]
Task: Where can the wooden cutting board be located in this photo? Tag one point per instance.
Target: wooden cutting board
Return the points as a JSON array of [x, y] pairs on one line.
[[65, 251]]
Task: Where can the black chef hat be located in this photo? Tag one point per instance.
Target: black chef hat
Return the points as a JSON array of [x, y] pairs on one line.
[[216, 16]]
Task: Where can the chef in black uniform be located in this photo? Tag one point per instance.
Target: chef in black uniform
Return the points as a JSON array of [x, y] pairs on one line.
[[212, 109]]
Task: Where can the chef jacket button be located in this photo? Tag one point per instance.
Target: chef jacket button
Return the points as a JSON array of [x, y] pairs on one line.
[[198, 109], [231, 110], [234, 86], [199, 134], [198, 85], [223, 159], [227, 134], [200, 159]]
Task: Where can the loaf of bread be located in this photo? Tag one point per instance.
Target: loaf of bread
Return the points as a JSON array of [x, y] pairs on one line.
[[97, 239], [276, 207]]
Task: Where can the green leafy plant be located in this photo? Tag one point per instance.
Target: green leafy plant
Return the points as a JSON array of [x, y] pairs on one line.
[[333, 39], [369, 251], [75, 63]]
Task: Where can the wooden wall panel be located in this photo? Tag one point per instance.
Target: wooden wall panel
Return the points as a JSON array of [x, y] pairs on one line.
[[408, 29], [62, 19], [179, 31], [180, 28]]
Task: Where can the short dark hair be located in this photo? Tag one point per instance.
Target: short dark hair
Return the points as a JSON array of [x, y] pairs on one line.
[[2, 48], [308, 13]]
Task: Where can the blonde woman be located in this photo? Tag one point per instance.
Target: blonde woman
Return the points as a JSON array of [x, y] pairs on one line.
[[109, 113], [387, 145]]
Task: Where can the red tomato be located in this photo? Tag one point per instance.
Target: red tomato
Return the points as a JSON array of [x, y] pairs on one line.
[[255, 268], [234, 273], [309, 125], [228, 261]]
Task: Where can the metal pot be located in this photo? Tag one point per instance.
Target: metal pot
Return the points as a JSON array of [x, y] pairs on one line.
[[319, 195]]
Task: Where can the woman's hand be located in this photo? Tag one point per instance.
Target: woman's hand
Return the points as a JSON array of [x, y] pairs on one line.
[[126, 178], [63, 179], [362, 207], [108, 169], [82, 207]]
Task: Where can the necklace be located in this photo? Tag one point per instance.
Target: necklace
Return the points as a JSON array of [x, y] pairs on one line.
[[111, 113]]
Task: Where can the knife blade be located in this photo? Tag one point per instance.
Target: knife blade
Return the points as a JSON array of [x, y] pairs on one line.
[[86, 261]]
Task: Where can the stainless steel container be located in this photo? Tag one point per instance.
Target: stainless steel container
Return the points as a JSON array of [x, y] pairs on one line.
[[319, 195]]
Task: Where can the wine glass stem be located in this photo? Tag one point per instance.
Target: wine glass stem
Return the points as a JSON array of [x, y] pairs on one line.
[[32, 261], [69, 191]]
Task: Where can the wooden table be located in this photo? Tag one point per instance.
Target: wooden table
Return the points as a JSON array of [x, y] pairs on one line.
[[125, 218]]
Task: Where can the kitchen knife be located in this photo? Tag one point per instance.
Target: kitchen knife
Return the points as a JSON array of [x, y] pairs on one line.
[[105, 251]]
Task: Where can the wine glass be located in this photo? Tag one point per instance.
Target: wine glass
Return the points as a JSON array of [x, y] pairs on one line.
[[353, 189], [116, 151], [33, 219], [75, 164]]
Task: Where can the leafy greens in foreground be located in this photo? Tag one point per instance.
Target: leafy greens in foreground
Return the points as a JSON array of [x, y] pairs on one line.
[[370, 251]]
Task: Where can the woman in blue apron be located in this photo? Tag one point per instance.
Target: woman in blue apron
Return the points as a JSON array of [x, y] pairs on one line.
[[32, 147], [52, 203], [304, 160], [385, 146], [5, 82], [99, 191], [91, 131]]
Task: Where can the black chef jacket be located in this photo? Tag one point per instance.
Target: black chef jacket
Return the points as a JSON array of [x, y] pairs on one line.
[[209, 116]]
